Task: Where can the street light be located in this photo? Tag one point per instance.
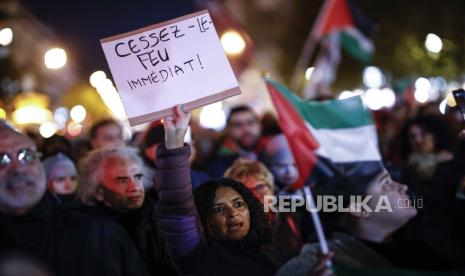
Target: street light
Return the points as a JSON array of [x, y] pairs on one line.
[[97, 78], [78, 113], [433, 43], [6, 36], [55, 58], [232, 42]]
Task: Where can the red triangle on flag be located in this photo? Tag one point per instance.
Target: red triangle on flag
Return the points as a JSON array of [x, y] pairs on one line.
[[301, 141], [334, 16]]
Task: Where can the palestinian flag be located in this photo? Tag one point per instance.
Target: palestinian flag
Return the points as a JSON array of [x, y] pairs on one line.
[[325, 135], [344, 17]]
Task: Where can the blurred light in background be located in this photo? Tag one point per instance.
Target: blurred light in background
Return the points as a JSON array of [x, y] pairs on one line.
[[31, 115], [422, 90], [388, 96], [433, 43], [309, 72], [232, 42], [212, 116], [55, 58], [442, 106], [31, 108], [421, 96], [97, 78], [6, 36], [48, 129], [373, 99], [2, 113], [346, 95], [61, 116], [78, 113], [110, 97], [450, 100], [74, 129], [373, 77]]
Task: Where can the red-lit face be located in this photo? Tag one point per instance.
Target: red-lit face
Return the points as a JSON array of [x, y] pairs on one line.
[[122, 183], [258, 187]]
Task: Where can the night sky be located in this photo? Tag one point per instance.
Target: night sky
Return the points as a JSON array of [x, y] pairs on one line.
[[79, 25]]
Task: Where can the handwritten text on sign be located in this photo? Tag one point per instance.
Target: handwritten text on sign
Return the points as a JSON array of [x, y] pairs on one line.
[[178, 61]]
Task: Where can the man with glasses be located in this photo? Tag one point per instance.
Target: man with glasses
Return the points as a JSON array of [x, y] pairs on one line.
[[67, 239]]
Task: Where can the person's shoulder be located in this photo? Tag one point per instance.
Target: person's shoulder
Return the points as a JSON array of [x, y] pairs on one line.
[[88, 219]]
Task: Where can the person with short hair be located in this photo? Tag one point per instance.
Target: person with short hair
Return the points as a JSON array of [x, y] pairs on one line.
[[242, 138], [106, 133], [254, 175], [113, 181], [67, 239]]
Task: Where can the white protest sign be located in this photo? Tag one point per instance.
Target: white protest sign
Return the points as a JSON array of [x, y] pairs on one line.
[[180, 61]]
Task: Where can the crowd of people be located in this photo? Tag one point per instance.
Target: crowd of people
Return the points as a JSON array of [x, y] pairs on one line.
[[157, 205]]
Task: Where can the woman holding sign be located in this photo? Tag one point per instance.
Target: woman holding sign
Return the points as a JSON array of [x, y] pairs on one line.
[[231, 237]]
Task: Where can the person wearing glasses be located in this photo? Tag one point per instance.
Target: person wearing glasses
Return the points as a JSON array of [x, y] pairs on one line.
[[67, 240]]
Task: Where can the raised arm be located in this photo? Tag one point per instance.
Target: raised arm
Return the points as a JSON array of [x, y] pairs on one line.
[[176, 211]]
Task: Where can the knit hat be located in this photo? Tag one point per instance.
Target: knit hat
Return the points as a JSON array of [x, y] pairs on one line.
[[59, 165]]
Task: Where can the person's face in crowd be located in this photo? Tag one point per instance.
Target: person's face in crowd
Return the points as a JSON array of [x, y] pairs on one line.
[[22, 176], [284, 168], [63, 178], [245, 129], [421, 141], [230, 219], [396, 194], [122, 184], [151, 152], [108, 135], [259, 187]]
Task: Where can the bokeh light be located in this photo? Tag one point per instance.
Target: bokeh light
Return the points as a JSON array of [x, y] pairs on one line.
[[433, 43], [48, 129], [55, 58], [78, 113], [232, 42], [6, 36]]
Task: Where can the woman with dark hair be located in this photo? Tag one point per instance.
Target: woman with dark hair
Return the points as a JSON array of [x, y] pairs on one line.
[[231, 237], [425, 144]]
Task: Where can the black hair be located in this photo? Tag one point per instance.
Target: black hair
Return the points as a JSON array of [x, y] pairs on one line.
[[239, 109], [204, 197], [432, 124], [350, 180], [94, 129]]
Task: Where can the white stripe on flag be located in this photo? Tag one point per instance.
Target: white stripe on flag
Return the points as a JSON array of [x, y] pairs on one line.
[[347, 145]]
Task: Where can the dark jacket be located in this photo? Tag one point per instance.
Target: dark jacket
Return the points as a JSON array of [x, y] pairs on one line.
[[142, 228], [71, 241], [181, 228]]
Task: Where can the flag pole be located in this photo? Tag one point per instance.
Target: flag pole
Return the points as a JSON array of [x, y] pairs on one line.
[[317, 224], [309, 47]]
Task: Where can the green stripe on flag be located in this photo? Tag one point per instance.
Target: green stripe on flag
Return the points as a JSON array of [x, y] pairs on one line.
[[357, 45], [336, 114]]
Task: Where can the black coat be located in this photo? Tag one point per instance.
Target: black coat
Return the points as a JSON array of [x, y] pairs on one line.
[[71, 241], [142, 228]]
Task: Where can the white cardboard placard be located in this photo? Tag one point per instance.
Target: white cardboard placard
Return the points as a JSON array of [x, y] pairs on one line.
[[180, 61]]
